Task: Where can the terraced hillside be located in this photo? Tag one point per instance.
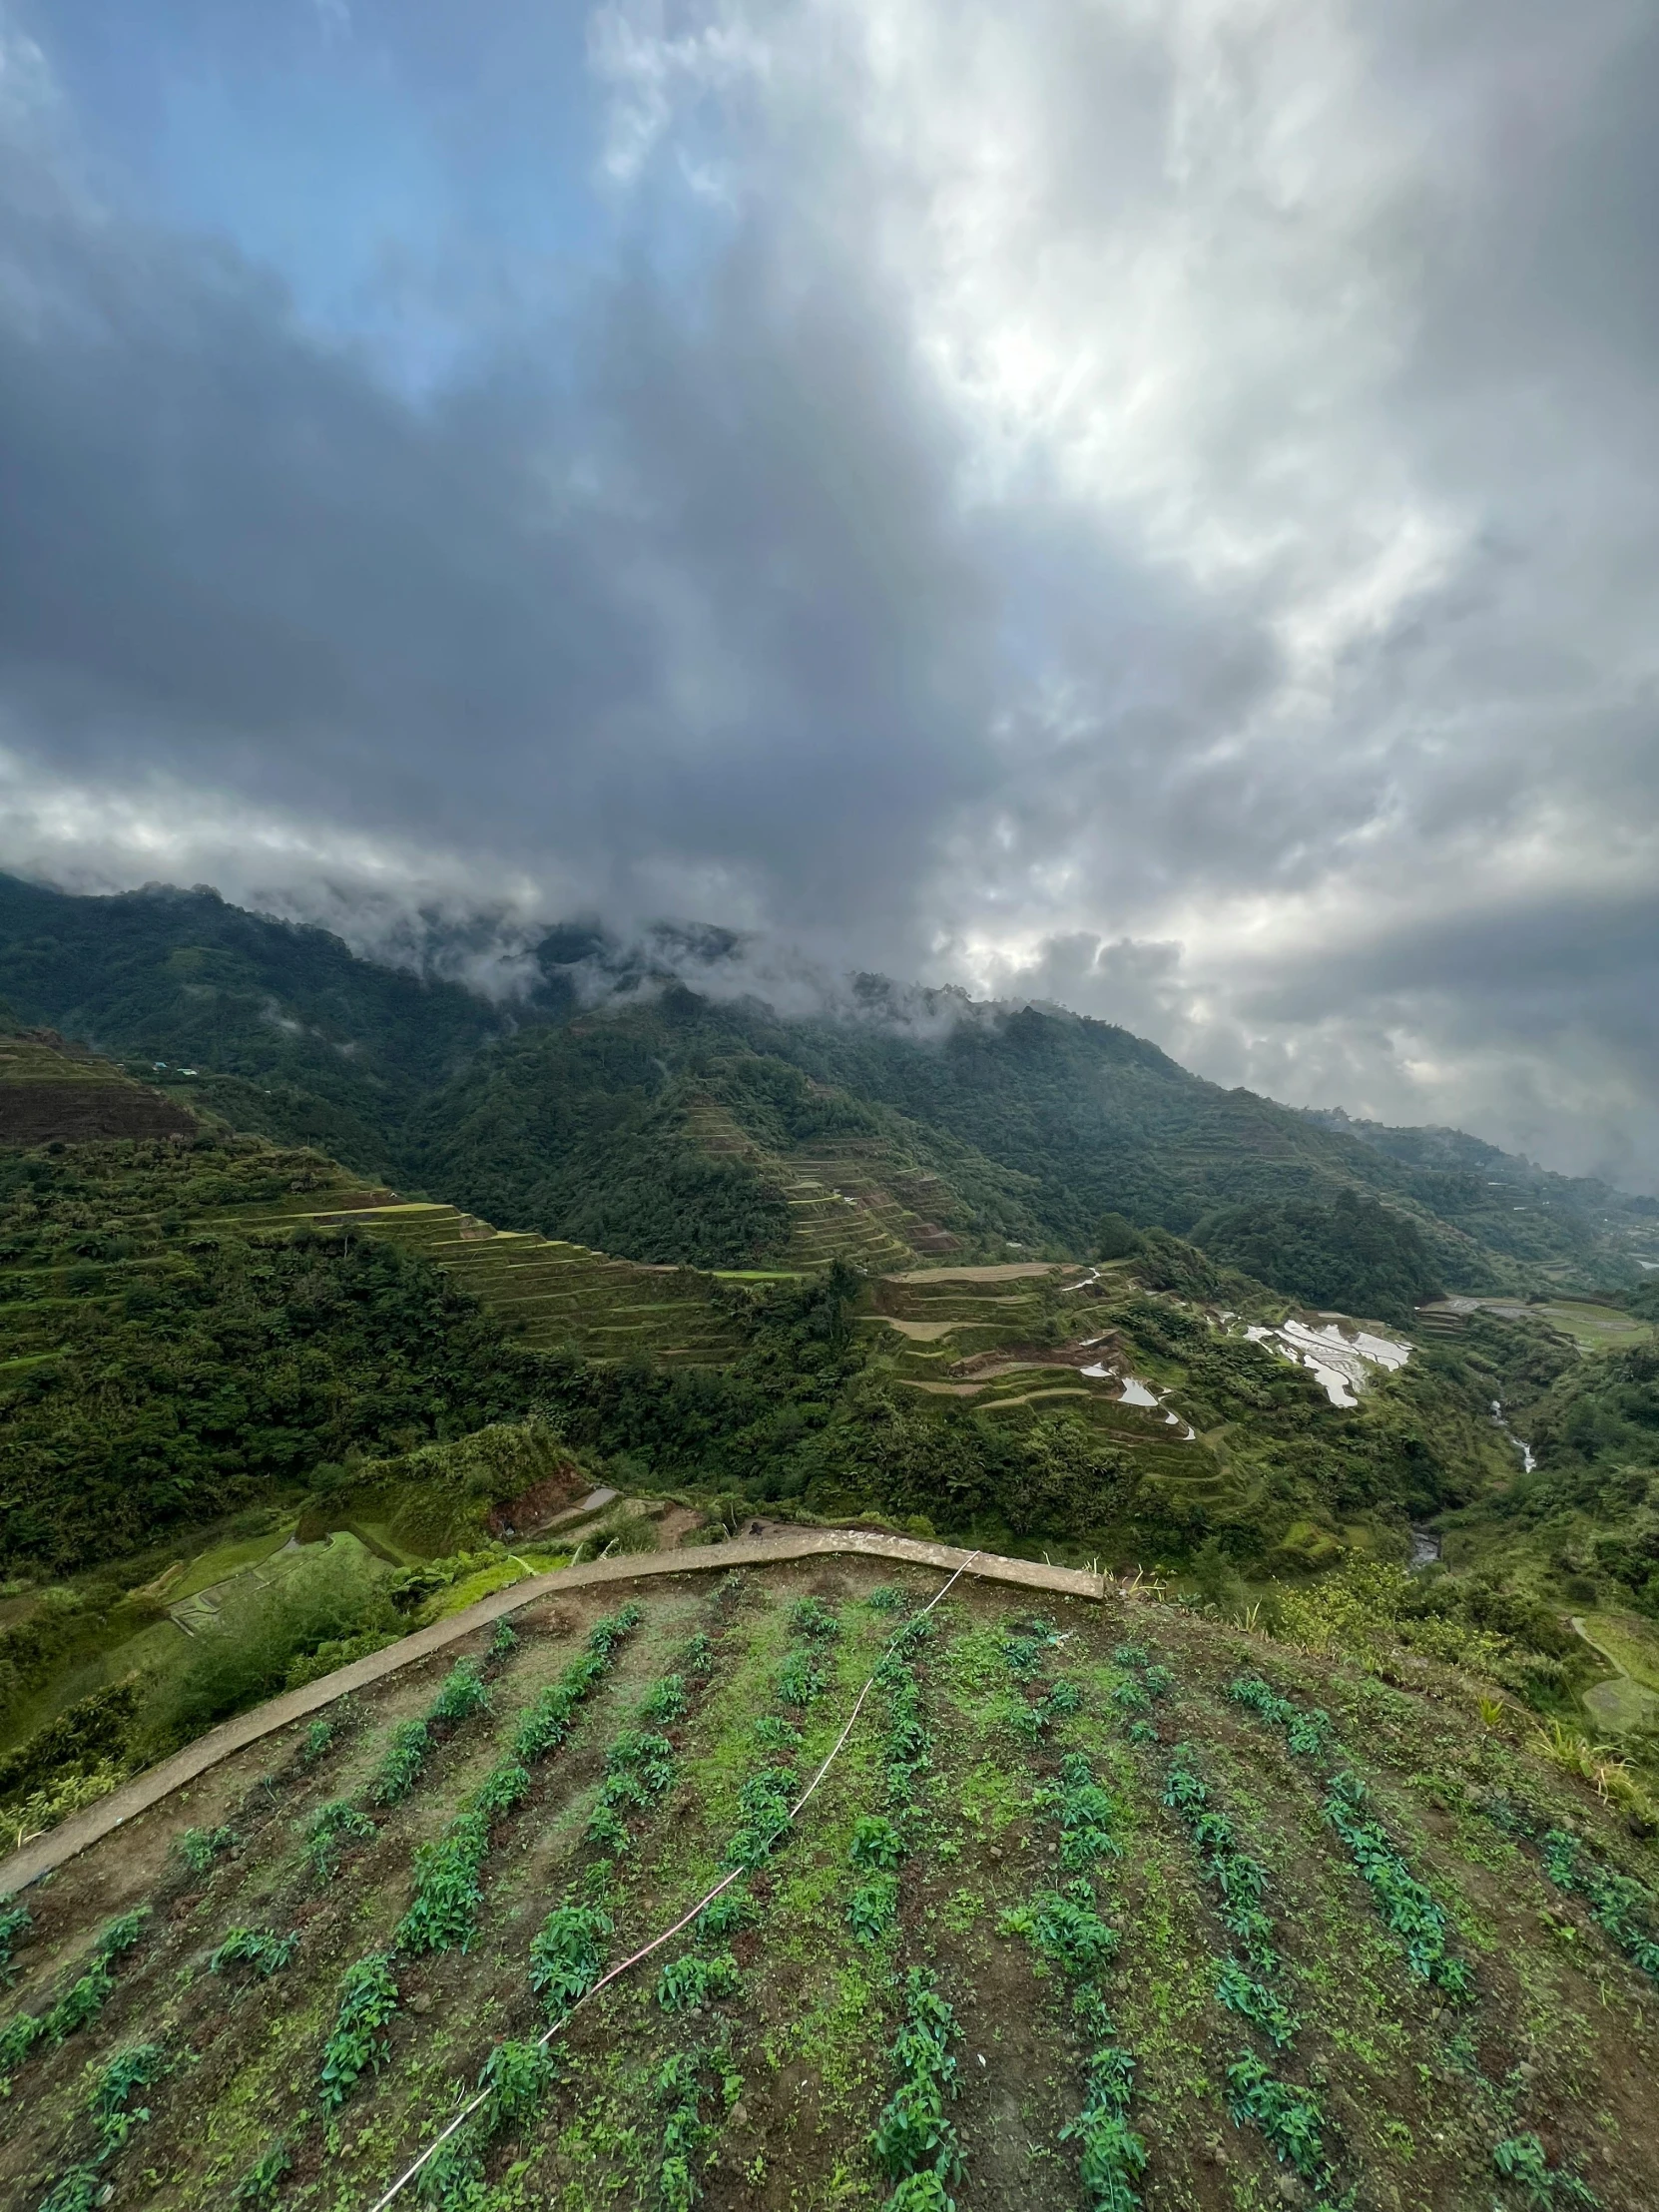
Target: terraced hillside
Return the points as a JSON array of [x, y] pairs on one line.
[[1104, 1907], [53, 1090], [548, 1292]]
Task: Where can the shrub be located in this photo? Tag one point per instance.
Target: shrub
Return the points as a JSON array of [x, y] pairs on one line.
[[264, 1629]]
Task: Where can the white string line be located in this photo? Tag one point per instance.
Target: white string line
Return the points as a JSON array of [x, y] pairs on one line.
[[667, 1935]]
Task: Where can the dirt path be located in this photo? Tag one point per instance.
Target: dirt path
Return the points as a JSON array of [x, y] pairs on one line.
[[42, 1853]]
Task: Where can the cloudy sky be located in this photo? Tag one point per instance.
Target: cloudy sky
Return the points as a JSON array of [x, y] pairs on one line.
[[1148, 503]]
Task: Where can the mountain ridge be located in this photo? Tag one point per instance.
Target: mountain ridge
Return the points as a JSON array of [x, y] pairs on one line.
[[614, 1104]]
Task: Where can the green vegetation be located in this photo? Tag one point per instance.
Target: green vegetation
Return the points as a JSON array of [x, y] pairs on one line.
[[1356, 1254], [915, 2142], [1199, 1959]]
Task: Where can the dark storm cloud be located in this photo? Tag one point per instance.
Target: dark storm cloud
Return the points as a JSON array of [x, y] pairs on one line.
[[668, 594], [1156, 509]]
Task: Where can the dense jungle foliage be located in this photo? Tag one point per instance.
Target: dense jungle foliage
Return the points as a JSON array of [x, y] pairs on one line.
[[1354, 1255], [1586, 1515], [160, 1374]]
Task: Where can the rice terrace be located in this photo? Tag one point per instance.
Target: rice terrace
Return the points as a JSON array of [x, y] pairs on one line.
[[1100, 1905]]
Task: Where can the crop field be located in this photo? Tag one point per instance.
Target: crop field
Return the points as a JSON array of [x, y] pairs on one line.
[[1098, 1907]]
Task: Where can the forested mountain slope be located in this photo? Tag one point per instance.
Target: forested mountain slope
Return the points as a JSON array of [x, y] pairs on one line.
[[611, 1105]]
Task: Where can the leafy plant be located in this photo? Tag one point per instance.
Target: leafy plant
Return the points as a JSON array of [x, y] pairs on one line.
[[200, 1846], [726, 1915], [15, 1922], [697, 1980], [330, 1828], [76, 2191], [258, 1948], [877, 1847], [462, 1692], [504, 1642], [449, 1890], [913, 2135], [872, 1909], [685, 2132], [1112, 2157], [1290, 2119], [667, 1701], [399, 1770], [1064, 1926], [319, 1739], [1620, 1906], [368, 2000], [117, 2082], [516, 2078], [265, 2176], [1254, 2002], [564, 1957], [1410, 1910], [17, 2038], [1521, 2158], [87, 1996]]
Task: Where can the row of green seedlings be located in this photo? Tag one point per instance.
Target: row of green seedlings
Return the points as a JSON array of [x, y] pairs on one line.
[[80, 2003], [566, 1958], [199, 1849], [1410, 1910], [260, 1950], [1063, 1924], [1622, 1908], [114, 2084], [881, 1842], [915, 2140], [1288, 2117], [447, 1891]]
